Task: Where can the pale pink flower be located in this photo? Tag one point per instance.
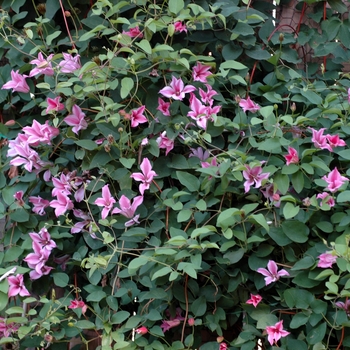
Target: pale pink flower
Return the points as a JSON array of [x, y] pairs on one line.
[[137, 116], [254, 175], [16, 286], [27, 157], [17, 83], [54, 104], [326, 260], [248, 105], [176, 89], [146, 177], [335, 141], [43, 238], [166, 325], [39, 271], [272, 274], [18, 196], [198, 112], [106, 201], [70, 63], [164, 142], [254, 299], [38, 258], [82, 225], [292, 156], [200, 72], [61, 204], [78, 304], [142, 330], [163, 107], [76, 119], [133, 32], [320, 140], [40, 133], [276, 332], [334, 180], [43, 66], [180, 27], [324, 195], [128, 210]]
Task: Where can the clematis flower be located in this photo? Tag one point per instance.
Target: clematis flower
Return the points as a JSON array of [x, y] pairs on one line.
[[168, 324], [40, 133], [272, 274], [164, 142], [16, 286], [128, 210], [335, 141], [137, 116], [324, 195], [163, 107], [248, 105], [26, 156], [223, 346], [7, 328], [54, 104], [326, 260], [61, 204], [133, 32], [198, 112], [292, 156], [320, 140], [269, 193], [146, 177], [142, 330], [180, 27], [43, 238], [199, 153], [17, 83], [76, 119], [254, 300], [176, 89], [106, 201], [254, 175], [207, 96], [18, 196], [345, 306], [40, 271], [276, 332], [200, 72], [334, 180], [78, 304], [70, 63], [43, 66]]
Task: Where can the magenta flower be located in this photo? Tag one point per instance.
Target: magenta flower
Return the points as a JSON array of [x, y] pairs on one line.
[[329, 199], [334, 180], [26, 156], [70, 63], [198, 112], [133, 32], [320, 140], [43, 238], [16, 286], [166, 325], [137, 116], [54, 104], [17, 83], [106, 201], [254, 300], [163, 107], [345, 306], [6, 328], [292, 156], [146, 177], [142, 330], [40, 133], [38, 272], [76, 119], [18, 196], [38, 258], [272, 274], [78, 304], [326, 260], [335, 141], [176, 89], [43, 66], [164, 142], [180, 27], [276, 332], [61, 204], [128, 210], [223, 346], [254, 175], [200, 72], [248, 105], [207, 96]]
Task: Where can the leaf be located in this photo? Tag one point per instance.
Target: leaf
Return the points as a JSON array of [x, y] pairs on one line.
[[317, 334], [52, 36], [145, 46], [161, 272], [289, 210], [60, 279], [96, 296], [296, 231], [126, 86], [87, 144], [199, 306], [175, 6], [120, 317], [343, 197], [190, 181], [84, 324]]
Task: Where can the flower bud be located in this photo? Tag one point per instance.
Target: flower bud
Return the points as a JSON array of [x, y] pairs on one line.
[[142, 330], [107, 148], [281, 37], [293, 107], [191, 321]]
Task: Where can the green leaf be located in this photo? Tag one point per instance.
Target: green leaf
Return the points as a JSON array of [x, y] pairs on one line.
[[175, 6], [84, 324], [260, 219], [52, 36], [343, 197], [199, 306], [299, 320], [120, 317], [296, 231], [96, 296], [127, 162], [289, 210], [190, 181], [60, 279], [145, 46], [162, 272], [126, 86], [87, 144], [317, 334]]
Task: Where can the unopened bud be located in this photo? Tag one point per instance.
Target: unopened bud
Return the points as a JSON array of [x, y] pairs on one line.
[[238, 98], [67, 14], [281, 37], [107, 148], [41, 8], [293, 107], [275, 107], [110, 139], [120, 130], [247, 77]]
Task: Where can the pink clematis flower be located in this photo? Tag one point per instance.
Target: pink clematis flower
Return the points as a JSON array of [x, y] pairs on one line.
[[335, 141], [163, 107], [334, 180], [43, 66], [18, 196], [76, 119], [320, 140], [78, 304], [133, 32], [223, 346], [61, 204], [164, 142], [106, 201], [292, 156], [7, 328], [167, 324], [39, 272], [142, 330], [16, 286], [128, 210], [70, 63], [329, 199], [254, 175], [207, 96], [40, 133], [326, 260], [137, 116], [272, 274], [200, 72], [54, 104], [254, 300], [276, 332], [180, 27], [17, 83], [198, 112], [146, 177], [345, 306], [248, 105], [43, 238], [26, 156], [177, 89]]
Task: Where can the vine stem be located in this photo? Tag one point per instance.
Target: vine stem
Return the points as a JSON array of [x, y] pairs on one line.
[[66, 23], [186, 312]]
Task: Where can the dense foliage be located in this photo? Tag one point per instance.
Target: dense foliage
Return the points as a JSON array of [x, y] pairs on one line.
[[174, 175]]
